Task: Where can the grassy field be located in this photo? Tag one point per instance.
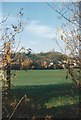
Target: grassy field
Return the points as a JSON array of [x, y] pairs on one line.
[[40, 77], [48, 91]]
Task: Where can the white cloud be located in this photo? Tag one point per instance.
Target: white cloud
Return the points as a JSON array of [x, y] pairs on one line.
[[11, 20], [41, 30]]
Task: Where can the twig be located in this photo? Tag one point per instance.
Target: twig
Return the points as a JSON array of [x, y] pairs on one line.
[[6, 111], [60, 13], [17, 106], [4, 20]]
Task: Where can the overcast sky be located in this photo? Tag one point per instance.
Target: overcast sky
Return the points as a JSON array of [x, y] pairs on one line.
[[41, 28]]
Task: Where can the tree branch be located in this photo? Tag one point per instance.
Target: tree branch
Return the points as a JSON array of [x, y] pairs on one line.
[[60, 14], [17, 106]]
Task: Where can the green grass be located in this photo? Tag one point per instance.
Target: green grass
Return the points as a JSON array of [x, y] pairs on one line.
[[40, 77], [48, 91]]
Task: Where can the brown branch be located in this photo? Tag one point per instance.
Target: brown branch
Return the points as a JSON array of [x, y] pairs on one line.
[[70, 71], [17, 106], [6, 111], [4, 20]]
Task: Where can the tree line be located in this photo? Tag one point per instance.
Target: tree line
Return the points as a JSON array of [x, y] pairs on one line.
[[47, 60]]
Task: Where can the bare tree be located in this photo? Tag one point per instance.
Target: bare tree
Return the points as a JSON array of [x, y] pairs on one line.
[[70, 33], [7, 41]]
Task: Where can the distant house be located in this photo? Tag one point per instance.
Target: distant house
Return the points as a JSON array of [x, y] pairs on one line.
[[51, 65]]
